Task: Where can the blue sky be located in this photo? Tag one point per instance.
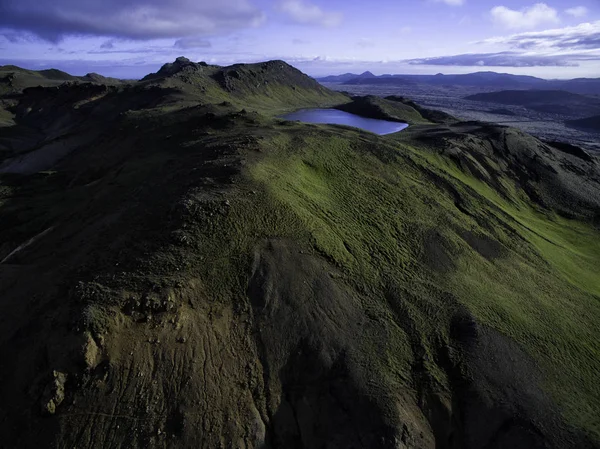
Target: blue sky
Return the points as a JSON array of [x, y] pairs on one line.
[[129, 38]]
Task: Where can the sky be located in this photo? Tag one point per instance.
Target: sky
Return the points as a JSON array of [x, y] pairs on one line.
[[130, 38]]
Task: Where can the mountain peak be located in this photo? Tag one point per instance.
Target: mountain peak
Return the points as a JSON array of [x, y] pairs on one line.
[[179, 64], [172, 68]]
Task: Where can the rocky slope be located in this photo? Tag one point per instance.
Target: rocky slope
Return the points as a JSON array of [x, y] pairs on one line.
[[180, 268]]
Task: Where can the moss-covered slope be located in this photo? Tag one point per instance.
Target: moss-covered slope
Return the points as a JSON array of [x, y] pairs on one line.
[[202, 274]]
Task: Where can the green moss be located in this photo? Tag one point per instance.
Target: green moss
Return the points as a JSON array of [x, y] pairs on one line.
[[368, 206], [390, 214], [384, 109]]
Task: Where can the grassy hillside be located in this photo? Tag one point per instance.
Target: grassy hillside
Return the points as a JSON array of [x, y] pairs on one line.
[[14, 80], [384, 109], [209, 275], [271, 87], [527, 273]]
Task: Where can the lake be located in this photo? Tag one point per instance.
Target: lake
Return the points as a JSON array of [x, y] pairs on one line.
[[336, 117]]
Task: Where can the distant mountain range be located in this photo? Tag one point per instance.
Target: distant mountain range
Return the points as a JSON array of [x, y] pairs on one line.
[[346, 77], [480, 79]]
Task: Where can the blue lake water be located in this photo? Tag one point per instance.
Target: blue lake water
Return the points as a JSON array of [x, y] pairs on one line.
[[336, 117]]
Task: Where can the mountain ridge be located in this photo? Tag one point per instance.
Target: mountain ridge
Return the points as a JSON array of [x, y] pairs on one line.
[[180, 267], [487, 79]]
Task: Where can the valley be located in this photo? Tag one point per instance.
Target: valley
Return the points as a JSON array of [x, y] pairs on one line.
[[453, 99]]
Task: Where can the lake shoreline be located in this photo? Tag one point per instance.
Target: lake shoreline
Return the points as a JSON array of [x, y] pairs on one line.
[[339, 117]]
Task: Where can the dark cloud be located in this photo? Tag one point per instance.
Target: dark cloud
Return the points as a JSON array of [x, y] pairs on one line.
[[14, 37], [192, 42], [164, 51], [585, 36], [505, 59], [567, 42], [118, 69], [133, 19], [108, 45]]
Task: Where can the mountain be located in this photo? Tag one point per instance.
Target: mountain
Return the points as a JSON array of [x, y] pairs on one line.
[[14, 79], [180, 267], [394, 108], [552, 101], [492, 80], [485, 79], [387, 81], [472, 79], [588, 123], [345, 77]]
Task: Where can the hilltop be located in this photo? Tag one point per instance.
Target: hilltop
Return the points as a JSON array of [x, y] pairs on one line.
[[345, 77], [14, 79], [180, 267]]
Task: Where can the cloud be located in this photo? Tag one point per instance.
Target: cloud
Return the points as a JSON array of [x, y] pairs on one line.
[[297, 41], [133, 19], [108, 45], [451, 2], [306, 13], [365, 43], [527, 18], [506, 59], [146, 51], [16, 37], [585, 36], [192, 42], [121, 68], [577, 11]]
